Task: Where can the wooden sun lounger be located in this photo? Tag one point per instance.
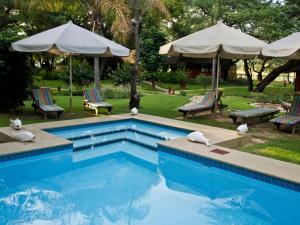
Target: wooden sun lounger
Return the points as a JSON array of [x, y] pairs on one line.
[[93, 101], [207, 103], [244, 116], [292, 119], [43, 101]]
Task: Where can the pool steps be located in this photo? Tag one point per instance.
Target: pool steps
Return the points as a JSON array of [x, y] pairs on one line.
[[117, 139], [96, 134], [97, 144]]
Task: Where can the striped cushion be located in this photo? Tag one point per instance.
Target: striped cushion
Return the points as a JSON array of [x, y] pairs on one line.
[[42, 96], [295, 110], [92, 95], [289, 120], [51, 108], [209, 98]]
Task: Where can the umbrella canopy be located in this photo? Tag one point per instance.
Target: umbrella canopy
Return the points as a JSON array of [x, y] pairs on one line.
[[288, 47], [220, 39], [70, 39]]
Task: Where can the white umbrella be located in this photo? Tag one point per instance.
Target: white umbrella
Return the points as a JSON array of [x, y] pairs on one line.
[[70, 39], [288, 47], [219, 41]]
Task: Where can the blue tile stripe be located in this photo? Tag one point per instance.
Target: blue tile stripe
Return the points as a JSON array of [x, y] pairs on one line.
[[34, 152], [50, 130], [235, 169]]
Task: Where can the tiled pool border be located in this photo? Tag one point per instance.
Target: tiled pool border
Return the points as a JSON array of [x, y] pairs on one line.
[[232, 168], [50, 130], [34, 152]]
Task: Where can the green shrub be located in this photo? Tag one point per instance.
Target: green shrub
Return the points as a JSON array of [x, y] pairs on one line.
[[274, 95], [83, 73], [203, 81], [15, 73], [54, 75], [166, 77], [183, 93], [120, 92], [181, 76], [121, 75]]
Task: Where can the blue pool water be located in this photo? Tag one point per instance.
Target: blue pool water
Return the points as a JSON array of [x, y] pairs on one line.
[[123, 182]]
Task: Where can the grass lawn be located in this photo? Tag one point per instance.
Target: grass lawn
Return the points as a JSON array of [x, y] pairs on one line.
[[286, 149], [272, 143]]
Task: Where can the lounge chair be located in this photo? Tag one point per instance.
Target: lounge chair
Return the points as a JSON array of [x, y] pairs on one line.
[[43, 101], [292, 119], [263, 114], [207, 103], [93, 101]]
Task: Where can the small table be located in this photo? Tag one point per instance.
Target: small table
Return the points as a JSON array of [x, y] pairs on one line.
[[261, 113]]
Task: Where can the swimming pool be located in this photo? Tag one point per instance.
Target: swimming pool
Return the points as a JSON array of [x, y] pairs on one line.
[[116, 176]]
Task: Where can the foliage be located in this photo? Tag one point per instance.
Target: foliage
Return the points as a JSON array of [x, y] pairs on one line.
[[180, 76], [83, 73], [119, 92], [174, 77], [276, 96], [121, 75], [15, 70], [203, 81], [183, 93], [51, 75], [152, 40]]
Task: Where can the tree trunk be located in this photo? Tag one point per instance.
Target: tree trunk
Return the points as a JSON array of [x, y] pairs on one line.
[[259, 76], [285, 68], [297, 82], [248, 75], [96, 28], [153, 84], [134, 98], [98, 70]]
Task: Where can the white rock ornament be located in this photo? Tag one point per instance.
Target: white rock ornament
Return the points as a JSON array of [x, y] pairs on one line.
[[23, 136], [199, 137], [242, 129], [16, 124], [134, 111]]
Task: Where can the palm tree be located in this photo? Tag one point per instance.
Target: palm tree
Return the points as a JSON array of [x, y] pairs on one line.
[[140, 8], [97, 12]]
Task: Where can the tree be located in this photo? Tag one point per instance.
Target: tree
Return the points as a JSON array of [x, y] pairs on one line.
[[114, 11], [151, 61], [104, 17], [15, 75], [140, 8]]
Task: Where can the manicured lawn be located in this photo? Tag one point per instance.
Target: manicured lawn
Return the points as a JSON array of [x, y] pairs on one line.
[[286, 149]]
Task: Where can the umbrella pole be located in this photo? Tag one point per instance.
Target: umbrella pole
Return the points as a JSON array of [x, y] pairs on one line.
[[71, 78], [217, 82], [213, 80]]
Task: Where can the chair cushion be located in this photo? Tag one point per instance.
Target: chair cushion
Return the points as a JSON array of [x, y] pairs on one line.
[[197, 107], [99, 105], [289, 120], [51, 108], [42, 96], [92, 95]]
